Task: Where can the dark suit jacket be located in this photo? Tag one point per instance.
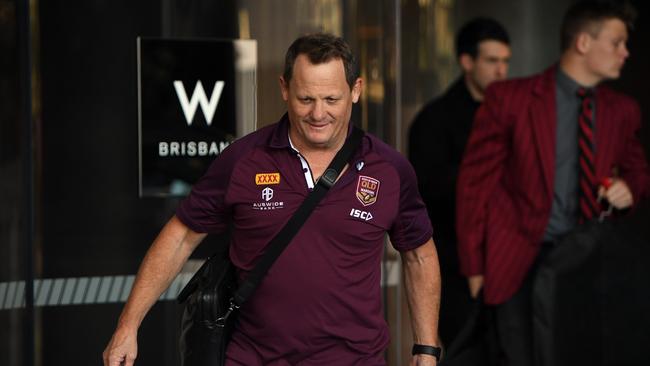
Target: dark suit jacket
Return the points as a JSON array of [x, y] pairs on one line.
[[505, 184], [437, 139]]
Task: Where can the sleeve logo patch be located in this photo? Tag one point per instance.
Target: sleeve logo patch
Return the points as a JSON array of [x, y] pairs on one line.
[[367, 190], [263, 179]]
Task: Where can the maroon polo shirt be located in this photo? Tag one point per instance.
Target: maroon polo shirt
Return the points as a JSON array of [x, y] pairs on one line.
[[320, 303]]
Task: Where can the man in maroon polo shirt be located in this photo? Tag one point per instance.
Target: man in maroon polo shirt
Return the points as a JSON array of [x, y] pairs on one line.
[[320, 303]]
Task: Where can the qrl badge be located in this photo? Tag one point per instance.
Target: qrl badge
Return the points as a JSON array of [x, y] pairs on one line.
[[367, 190]]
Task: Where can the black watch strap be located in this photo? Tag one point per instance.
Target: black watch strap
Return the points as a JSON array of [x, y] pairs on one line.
[[420, 349]]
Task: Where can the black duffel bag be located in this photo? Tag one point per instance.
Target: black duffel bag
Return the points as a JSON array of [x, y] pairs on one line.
[[591, 298], [208, 320]]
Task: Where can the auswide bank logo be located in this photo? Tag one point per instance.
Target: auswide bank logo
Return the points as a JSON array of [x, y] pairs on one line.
[[267, 194], [267, 203]]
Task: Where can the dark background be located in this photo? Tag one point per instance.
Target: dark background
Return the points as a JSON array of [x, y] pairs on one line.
[[93, 222]]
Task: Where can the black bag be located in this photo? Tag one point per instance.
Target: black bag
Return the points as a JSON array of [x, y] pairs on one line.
[[204, 336], [213, 295], [566, 299], [590, 298], [475, 344]]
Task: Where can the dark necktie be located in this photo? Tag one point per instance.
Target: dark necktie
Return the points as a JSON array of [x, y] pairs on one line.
[[589, 206]]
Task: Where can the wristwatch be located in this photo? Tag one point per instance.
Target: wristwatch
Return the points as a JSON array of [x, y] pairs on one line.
[[421, 349]]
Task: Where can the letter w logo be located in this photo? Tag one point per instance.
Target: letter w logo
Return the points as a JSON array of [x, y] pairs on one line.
[[198, 97]]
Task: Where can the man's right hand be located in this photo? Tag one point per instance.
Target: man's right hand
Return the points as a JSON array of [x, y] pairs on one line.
[[122, 349], [475, 284]]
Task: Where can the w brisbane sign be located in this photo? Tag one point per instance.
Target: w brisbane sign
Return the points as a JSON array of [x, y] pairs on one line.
[[188, 106]]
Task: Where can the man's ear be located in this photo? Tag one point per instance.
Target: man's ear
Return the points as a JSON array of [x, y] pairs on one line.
[[583, 42], [284, 88], [356, 90], [466, 62]]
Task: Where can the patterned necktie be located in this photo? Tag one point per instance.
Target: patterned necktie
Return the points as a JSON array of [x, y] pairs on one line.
[[589, 206]]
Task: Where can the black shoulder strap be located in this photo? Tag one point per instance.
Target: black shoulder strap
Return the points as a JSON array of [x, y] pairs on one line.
[[283, 238]]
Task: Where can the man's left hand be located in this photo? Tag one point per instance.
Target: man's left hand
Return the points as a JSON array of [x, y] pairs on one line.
[[618, 194], [423, 360]]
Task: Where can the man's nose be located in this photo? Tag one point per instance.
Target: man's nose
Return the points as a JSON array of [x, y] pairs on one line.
[[502, 70], [318, 110], [625, 52]]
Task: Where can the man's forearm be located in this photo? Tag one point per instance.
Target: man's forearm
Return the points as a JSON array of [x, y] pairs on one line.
[[160, 266], [422, 282]]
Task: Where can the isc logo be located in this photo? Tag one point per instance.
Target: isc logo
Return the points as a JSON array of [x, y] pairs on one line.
[[363, 215]]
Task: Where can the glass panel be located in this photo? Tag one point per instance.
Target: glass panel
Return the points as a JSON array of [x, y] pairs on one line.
[[13, 201], [95, 229]]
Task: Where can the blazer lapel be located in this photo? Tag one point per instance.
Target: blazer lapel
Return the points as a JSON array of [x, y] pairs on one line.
[[544, 119]]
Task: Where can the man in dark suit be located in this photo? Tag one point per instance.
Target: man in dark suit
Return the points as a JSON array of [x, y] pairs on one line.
[[544, 153], [437, 139]]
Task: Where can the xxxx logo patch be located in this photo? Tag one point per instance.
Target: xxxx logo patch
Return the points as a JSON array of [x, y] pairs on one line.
[[263, 179], [367, 190]]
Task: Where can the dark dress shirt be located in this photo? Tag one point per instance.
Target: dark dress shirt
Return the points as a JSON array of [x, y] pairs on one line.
[[564, 210]]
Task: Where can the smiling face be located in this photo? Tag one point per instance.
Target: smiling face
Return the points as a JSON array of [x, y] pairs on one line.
[[606, 51], [319, 104]]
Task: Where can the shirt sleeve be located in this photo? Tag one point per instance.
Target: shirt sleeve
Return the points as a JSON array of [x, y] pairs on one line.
[[412, 226], [634, 166], [205, 209]]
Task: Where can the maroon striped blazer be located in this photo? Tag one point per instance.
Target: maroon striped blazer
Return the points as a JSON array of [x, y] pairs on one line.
[[505, 183]]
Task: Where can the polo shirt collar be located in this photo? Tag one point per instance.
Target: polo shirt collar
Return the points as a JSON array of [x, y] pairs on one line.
[[280, 137]]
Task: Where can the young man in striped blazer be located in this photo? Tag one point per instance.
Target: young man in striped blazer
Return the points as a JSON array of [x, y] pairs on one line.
[[538, 151]]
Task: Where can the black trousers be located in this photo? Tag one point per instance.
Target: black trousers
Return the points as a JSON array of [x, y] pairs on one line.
[[514, 321], [455, 302]]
